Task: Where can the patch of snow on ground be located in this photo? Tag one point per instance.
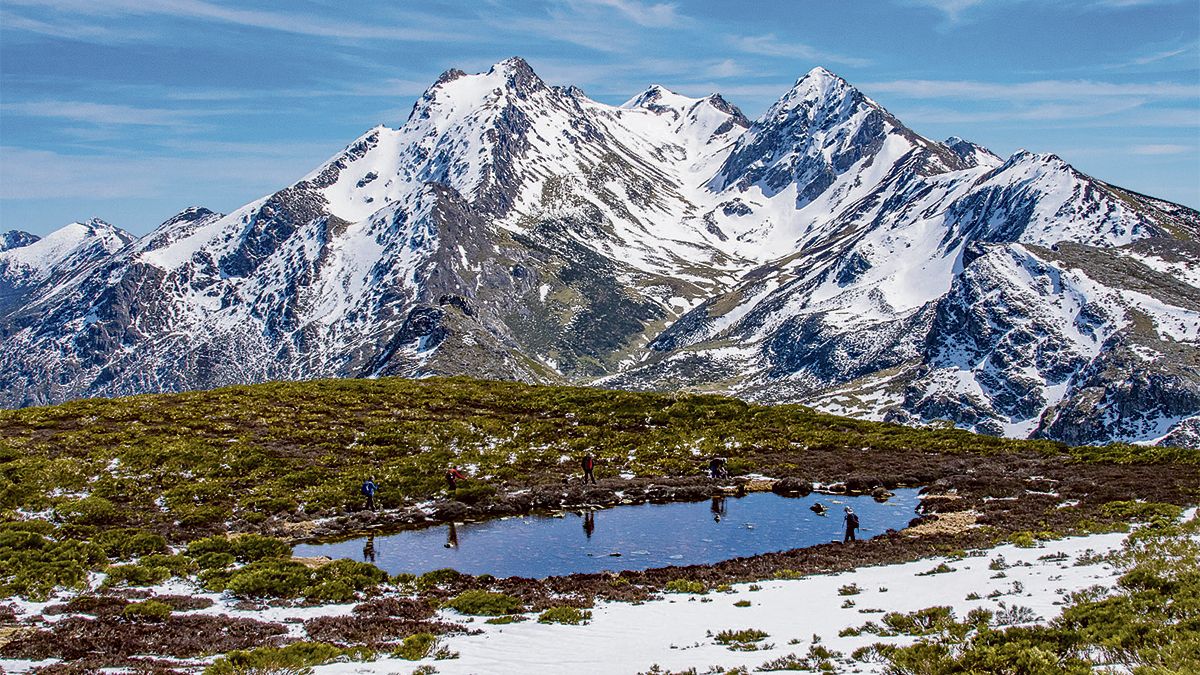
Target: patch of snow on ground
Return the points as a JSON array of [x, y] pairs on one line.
[[672, 632]]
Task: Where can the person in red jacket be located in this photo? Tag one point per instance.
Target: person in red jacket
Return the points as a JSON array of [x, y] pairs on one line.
[[453, 475], [589, 465]]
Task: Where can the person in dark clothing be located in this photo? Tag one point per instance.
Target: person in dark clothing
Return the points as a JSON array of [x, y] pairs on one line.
[[851, 524], [716, 468], [589, 466], [369, 488], [452, 478]]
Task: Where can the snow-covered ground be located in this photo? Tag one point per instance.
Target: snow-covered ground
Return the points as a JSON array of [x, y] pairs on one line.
[[675, 632]]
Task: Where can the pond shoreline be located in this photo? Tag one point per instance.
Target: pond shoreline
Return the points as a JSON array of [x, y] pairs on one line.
[[606, 494]]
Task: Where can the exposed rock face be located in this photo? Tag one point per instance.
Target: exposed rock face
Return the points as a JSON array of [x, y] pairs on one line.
[[823, 253]]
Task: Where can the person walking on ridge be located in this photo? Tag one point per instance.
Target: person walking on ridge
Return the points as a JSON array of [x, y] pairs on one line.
[[851, 524], [369, 488], [589, 465]]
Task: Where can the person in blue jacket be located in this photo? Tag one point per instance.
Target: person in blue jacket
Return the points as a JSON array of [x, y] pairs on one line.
[[369, 488]]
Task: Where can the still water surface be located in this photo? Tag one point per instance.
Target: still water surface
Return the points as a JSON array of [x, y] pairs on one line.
[[644, 536]]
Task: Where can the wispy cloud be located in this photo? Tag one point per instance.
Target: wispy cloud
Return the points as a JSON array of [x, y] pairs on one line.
[[287, 22], [1041, 89], [770, 45], [955, 11], [1161, 149], [104, 114], [651, 15]]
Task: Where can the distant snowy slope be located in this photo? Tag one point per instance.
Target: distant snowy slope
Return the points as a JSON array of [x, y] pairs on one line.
[[823, 253]]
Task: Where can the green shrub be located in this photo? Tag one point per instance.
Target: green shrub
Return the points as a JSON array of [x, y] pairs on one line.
[[136, 574], [506, 619], [294, 659], [264, 579], [33, 566], [128, 543], [341, 580], [438, 578], [483, 603], [1132, 511], [742, 603], [90, 511], [568, 615], [245, 548], [416, 647], [920, 622], [149, 611], [733, 637], [849, 589], [474, 492], [214, 560], [686, 586]]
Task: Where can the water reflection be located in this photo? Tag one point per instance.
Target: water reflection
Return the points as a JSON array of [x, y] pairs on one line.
[[718, 508], [369, 549], [589, 523], [451, 537]]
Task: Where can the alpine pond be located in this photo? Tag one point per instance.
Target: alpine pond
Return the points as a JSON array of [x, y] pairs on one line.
[[625, 537]]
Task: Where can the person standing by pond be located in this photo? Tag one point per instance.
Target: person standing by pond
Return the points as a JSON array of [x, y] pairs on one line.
[[851, 524], [716, 468], [453, 475], [369, 488], [589, 466]]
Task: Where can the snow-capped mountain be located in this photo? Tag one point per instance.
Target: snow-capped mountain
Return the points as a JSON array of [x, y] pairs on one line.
[[823, 253], [27, 262]]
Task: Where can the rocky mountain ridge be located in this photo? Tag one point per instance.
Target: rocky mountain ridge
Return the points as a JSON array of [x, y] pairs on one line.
[[823, 253]]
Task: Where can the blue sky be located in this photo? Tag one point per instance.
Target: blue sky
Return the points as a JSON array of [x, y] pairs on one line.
[[131, 110]]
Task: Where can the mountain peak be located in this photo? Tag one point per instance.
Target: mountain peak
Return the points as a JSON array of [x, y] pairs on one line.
[[819, 84], [657, 98], [16, 239], [519, 74]]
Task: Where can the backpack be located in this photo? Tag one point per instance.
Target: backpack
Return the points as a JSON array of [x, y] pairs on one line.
[[852, 521], [368, 488]]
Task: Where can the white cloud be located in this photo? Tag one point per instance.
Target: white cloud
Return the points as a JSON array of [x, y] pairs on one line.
[[770, 45], [651, 15], [1161, 149], [1041, 89], [287, 22], [726, 68], [103, 114]]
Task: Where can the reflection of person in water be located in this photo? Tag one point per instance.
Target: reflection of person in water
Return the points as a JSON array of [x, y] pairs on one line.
[[369, 549], [452, 537], [589, 523], [718, 508]]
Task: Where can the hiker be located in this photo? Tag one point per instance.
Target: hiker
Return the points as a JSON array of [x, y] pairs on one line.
[[716, 468], [369, 488], [851, 524], [589, 465], [453, 475]]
